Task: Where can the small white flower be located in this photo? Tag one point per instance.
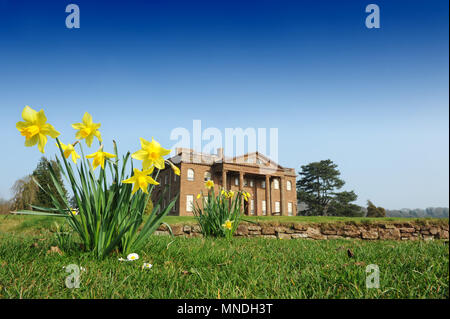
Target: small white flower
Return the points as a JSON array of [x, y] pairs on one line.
[[147, 266], [121, 259], [132, 257]]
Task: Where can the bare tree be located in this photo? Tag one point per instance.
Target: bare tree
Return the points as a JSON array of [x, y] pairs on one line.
[[24, 193]]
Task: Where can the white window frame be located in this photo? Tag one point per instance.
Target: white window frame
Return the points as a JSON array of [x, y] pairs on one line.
[[290, 211], [276, 184], [189, 203], [252, 206], [207, 176], [190, 172], [264, 207], [277, 207], [263, 184], [252, 183], [236, 181], [288, 185]]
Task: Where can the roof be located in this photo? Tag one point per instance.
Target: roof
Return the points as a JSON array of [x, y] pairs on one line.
[[254, 159]]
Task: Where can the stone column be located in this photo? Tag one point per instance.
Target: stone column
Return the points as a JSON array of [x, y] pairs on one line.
[[241, 187], [224, 178], [255, 196], [282, 197], [268, 200]]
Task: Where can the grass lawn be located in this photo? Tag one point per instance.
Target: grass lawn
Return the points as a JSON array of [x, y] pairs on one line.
[[205, 268]]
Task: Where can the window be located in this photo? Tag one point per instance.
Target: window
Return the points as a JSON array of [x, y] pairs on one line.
[[277, 207], [290, 209], [251, 183], [190, 174], [236, 181], [288, 185], [207, 176], [189, 202], [252, 207], [276, 184], [263, 184], [245, 182], [263, 207]]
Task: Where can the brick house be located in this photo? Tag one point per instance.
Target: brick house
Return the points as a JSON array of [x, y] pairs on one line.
[[272, 187]]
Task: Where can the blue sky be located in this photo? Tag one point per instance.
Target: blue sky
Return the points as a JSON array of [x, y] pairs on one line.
[[375, 101]]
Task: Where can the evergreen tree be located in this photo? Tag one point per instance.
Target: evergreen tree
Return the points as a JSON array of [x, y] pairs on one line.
[[43, 177], [342, 205], [317, 187]]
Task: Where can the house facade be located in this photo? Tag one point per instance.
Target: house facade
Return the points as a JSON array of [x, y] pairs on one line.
[[272, 187]]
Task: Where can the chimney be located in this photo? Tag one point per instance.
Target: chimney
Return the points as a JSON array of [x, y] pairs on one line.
[[220, 152]]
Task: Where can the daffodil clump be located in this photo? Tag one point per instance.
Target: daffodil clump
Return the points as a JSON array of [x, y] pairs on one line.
[[109, 209], [219, 215]]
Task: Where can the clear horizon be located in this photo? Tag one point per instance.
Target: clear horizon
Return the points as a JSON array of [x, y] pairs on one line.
[[375, 101]]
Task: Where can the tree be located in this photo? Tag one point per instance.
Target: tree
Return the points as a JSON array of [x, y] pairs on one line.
[[24, 193], [373, 211], [5, 206], [43, 177], [341, 205], [317, 188]]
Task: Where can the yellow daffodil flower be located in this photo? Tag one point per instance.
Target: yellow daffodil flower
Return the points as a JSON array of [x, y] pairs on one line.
[[99, 158], [175, 168], [68, 150], [228, 224], [230, 194], [74, 212], [246, 196], [223, 193], [209, 184], [87, 129], [199, 195], [35, 129], [151, 154], [140, 179]]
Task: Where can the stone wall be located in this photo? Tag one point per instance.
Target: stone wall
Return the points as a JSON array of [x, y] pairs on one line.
[[338, 230]]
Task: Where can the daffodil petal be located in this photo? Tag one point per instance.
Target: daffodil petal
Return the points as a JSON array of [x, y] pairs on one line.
[[31, 141], [29, 115], [42, 141], [87, 119]]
